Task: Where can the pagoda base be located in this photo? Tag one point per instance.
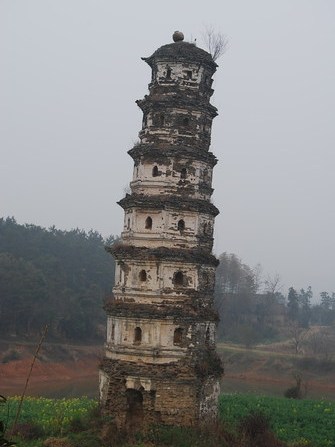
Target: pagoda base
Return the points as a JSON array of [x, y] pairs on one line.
[[137, 396]]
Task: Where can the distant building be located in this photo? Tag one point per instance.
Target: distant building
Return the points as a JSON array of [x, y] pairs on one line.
[[160, 364]]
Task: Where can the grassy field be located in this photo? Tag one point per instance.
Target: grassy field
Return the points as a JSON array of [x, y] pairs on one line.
[[299, 422]]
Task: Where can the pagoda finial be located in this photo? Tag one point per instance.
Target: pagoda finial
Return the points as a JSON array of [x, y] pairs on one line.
[[178, 36]]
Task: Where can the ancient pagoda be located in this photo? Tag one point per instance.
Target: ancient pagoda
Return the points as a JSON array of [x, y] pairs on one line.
[[160, 364]]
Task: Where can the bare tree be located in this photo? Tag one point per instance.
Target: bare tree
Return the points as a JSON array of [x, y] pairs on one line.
[[298, 335], [216, 42], [272, 284]]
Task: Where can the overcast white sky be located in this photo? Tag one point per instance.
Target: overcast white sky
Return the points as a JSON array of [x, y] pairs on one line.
[[70, 72]]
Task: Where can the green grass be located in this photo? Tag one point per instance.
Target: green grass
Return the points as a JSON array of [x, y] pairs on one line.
[[307, 422], [291, 420], [53, 416]]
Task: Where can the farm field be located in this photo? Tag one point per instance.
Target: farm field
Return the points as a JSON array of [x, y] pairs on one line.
[[304, 422]]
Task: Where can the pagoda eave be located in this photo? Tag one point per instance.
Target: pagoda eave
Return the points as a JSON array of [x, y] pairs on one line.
[[168, 202]]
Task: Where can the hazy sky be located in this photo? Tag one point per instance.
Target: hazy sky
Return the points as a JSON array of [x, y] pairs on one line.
[[70, 72]]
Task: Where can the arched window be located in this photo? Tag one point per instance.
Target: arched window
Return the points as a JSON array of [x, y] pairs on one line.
[[137, 335], [168, 73], [143, 275], [162, 119], [128, 224], [181, 225], [179, 278], [205, 174], [155, 172], [183, 173], [148, 223], [205, 228], [178, 336], [186, 122], [113, 332]]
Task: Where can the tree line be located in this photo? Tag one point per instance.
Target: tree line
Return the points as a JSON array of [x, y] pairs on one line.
[[54, 277], [254, 310], [61, 278]]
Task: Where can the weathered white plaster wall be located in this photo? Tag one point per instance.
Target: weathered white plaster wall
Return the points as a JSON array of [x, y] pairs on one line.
[[179, 73], [157, 333], [158, 276], [164, 231], [197, 173]]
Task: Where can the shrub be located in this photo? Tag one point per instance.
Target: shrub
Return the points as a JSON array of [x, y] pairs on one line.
[[255, 429], [254, 424], [77, 424], [11, 356], [293, 392], [28, 430]]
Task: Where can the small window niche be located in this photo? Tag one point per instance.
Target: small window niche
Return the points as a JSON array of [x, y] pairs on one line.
[[186, 122], [113, 332], [181, 226], [189, 74], [178, 279], [155, 172], [162, 119], [178, 336], [205, 175], [143, 275], [168, 73], [148, 223], [137, 335], [205, 228], [183, 173], [128, 223]]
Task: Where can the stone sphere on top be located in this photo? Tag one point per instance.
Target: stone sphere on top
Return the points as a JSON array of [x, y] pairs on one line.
[[178, 36]]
